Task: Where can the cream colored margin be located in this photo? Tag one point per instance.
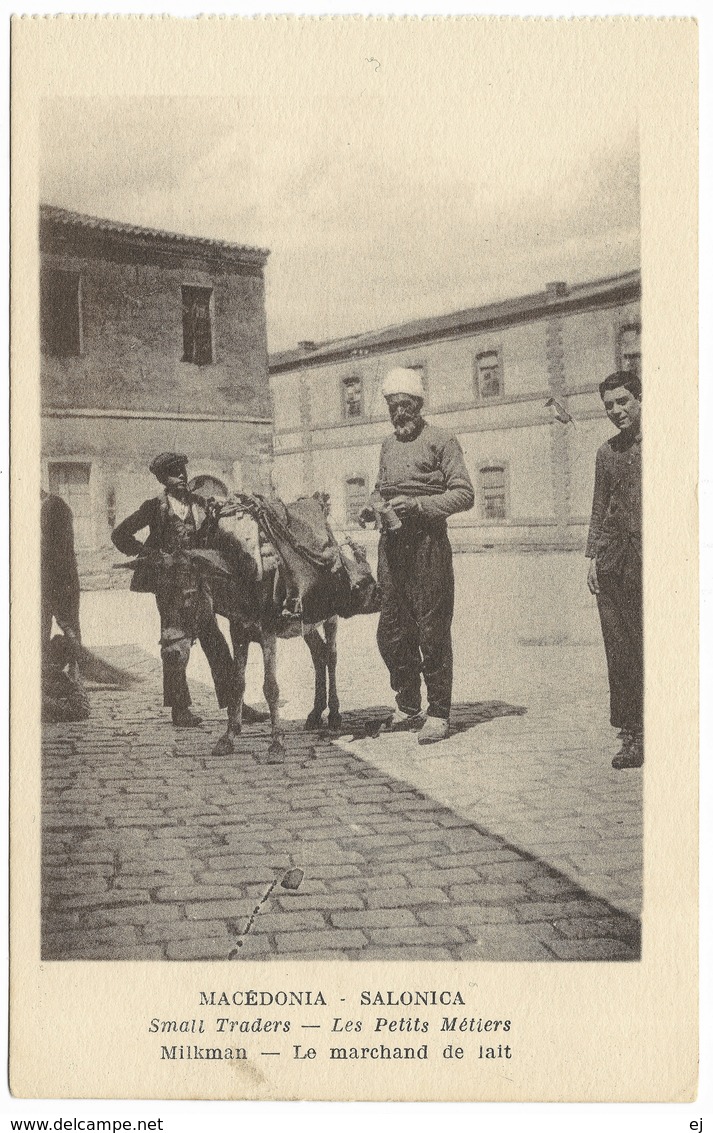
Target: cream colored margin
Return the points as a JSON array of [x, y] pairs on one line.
[[586, 1032]]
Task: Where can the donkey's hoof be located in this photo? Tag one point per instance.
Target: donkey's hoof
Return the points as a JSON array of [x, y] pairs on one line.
[[313, 722], [276, 751], [225, 745], [334, 721], [276, 754]]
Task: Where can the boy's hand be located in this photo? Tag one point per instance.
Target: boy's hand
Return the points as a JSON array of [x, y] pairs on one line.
[[592, 580]]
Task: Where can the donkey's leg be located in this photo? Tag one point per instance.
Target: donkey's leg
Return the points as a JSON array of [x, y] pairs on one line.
[[330, 632], [271, 689], [226, 743], [318, 649]]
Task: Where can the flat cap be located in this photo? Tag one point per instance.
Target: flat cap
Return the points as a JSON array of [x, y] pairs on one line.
[[165, 461]]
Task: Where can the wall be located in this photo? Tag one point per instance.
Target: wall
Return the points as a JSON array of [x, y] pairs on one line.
[[133, 339], [550, 465], [119, 451]]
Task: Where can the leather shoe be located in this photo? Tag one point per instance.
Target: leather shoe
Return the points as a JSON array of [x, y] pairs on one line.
[[433, 731], [631, 754], [405, 721]]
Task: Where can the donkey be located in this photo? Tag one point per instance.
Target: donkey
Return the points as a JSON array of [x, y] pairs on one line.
[[246, 596]]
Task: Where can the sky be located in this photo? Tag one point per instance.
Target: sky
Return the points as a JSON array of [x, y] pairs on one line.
[[382, 196]]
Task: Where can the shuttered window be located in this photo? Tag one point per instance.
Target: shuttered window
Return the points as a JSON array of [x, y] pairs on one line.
[[197, 325], [356, 498], [353, 396], [493, 491], [488, 375], [71, 482], [630, 348], [62, 313]]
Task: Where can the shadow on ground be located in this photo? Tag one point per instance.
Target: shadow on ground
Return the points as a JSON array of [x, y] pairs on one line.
[[365, 723]]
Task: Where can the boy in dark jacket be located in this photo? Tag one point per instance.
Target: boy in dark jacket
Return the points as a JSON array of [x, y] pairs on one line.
[[615, 574], [183, 598]]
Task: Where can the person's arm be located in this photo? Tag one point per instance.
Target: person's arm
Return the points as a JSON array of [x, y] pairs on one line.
[[600, 503], [459, 494], [123, 536]]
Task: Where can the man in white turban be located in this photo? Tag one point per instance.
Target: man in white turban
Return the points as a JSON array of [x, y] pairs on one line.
[[423, 479]]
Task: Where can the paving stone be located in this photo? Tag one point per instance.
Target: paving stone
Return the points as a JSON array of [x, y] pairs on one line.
[[342, 939], [405, 952], [373, 918], [485, 893], [164, 931], [584, 928], [327, 955], [97, 900], [552, 886], [398, 898], [465, 915], [340, 901], [134, 952], [199, 893], [437, 877], [200, 948], [601, 949], [57, 945], [532, 872], [215, 910], [369, 881], [552, 910], [288, 922], [421, 934]]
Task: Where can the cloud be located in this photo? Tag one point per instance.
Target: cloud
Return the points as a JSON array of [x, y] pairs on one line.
[[380, 203]]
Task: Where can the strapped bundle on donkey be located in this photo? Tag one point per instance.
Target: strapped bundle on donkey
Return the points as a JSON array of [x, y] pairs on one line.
[[321, 578]]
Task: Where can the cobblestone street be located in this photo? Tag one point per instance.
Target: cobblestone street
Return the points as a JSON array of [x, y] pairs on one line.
[[513, 840]]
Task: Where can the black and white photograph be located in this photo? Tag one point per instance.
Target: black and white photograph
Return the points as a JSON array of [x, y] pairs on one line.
[[341, 532], [342, 394]]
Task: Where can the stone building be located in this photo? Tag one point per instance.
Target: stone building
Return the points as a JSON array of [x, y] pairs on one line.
[[505, 377], [149, 341]]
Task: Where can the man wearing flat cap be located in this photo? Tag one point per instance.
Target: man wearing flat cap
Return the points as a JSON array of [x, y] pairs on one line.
[[422, 480], [182, 596]]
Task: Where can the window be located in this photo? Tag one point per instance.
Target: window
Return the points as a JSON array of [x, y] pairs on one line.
[[353, 396], [488, 375], [71, 482], [356, 498], [62, 313], [197, 328], [630, 348], [493, 492]]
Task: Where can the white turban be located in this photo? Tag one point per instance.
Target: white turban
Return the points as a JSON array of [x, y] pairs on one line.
[[402, 380]]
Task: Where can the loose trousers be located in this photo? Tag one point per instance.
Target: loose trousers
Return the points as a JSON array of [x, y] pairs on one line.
[[186, 611], [415, 574], [621, 615]]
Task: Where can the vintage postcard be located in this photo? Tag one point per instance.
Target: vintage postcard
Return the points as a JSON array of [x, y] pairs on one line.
[[354, 559]]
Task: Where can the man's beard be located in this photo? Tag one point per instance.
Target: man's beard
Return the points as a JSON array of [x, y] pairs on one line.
[[407, 428]]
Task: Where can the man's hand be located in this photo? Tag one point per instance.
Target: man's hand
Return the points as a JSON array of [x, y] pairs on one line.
[[405, 506], [366, 515], [592, 580]]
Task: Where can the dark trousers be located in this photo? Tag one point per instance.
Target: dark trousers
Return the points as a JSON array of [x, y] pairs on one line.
[[414, 635], [186, 611], [621, 615]]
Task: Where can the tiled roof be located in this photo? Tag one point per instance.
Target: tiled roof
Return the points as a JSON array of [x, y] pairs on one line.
[[51, 214], [468, 320]]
